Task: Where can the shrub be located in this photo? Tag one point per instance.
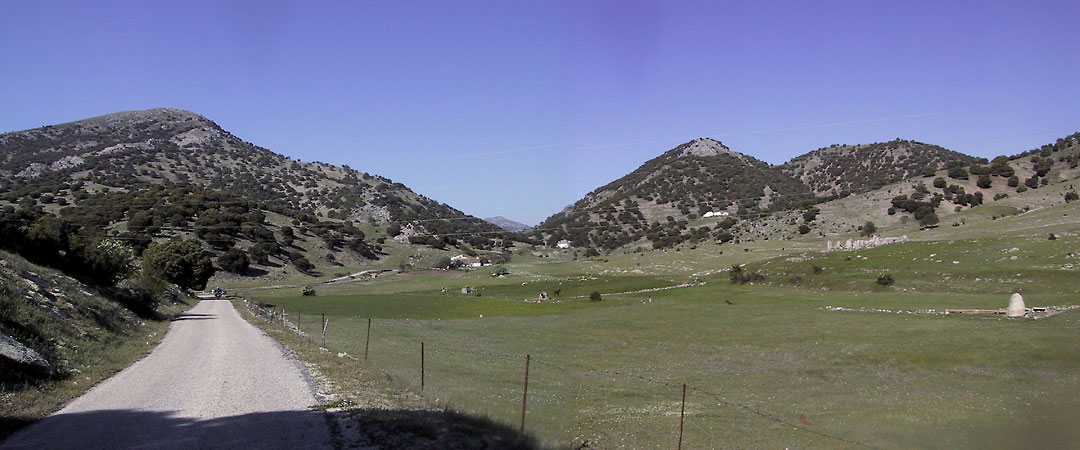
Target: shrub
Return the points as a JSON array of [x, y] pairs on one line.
[[1051, 237], [818, 269], [868, 229], [1032, 182], [740, 276], [234, 260], [1014, 181], [183, 263], [140, 294], [500, 272], [110, 261], [307, 291], [939, 183], [595, 297], [984, 181], [958, 173], [803, 229], [1070, 196], [885, 279], [302, 264]]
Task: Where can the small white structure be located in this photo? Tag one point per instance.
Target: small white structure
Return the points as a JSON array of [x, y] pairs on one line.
[[1016, 306], [563, 244], [716, 214], [467, 261]]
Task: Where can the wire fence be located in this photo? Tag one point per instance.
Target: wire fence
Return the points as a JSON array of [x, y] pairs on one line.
[[550, 395]]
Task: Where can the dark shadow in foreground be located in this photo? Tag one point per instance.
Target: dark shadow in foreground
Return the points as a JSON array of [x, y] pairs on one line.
[[190, 316], [112, 429]]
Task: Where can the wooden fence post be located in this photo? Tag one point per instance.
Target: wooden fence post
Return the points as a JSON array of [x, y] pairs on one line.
[[525, 393], [324, 324], [421, 365], [367, 342], [682, 414]]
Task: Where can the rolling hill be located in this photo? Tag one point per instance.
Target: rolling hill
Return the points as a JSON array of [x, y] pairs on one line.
[[839, 168], [165, 173], [658, 200], [703, 190]]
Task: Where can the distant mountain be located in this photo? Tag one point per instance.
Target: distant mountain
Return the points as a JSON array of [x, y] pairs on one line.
[[164, 173], [661, 200], [840, 168], [507, 224]]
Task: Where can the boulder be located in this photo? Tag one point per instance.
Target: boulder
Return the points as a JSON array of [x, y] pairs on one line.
[[13, 351], [1016, 306]]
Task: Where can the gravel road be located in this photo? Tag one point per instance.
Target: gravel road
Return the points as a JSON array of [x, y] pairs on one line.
[[215, 381]]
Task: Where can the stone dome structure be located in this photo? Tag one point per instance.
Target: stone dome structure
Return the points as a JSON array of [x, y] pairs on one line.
[[1016, 306]]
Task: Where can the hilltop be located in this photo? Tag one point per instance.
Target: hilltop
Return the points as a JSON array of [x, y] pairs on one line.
[[159, 174], [702, 190], [840, 168], [658, 200], [507, 224]]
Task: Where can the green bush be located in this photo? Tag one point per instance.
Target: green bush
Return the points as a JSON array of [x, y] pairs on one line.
[[234, 260], [885, 279], [302, 264], [868, 229], [595, 297], [307, 291], [183, 263], [740, 276]]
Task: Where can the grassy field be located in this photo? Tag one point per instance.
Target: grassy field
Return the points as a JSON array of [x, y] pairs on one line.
[[767, 365]]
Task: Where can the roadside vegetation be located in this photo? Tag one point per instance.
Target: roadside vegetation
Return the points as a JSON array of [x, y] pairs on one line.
[[80, 335]]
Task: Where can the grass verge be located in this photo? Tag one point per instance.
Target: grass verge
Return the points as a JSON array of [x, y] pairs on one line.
[[373, 409]]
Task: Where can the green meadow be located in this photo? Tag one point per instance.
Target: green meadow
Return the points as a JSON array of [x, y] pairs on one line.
[[767, 364]]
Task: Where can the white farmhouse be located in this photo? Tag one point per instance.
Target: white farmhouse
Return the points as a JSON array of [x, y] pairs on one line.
[[563, 244]]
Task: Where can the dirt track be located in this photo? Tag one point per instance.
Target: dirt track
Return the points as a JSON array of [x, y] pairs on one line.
[[215, 381]]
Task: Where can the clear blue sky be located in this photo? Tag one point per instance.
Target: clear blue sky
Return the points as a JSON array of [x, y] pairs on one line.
[[520, 108]]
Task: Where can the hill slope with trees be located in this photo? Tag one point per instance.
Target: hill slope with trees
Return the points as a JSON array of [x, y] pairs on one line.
[[658, 201], [167, 174], [839, 168]]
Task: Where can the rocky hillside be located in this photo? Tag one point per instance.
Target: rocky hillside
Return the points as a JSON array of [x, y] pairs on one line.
[[60, 336], [840, 168], [507, 224], [169, 146], [166, 173], [703, 190], [658, 201]]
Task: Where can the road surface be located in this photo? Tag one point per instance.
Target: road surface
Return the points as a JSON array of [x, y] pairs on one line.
[[215, 381]]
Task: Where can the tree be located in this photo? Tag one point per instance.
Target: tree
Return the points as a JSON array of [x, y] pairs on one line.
[[983, 182], [595, 296], [234, 260], [111, 260], [1070, 196], [803, 229], [868, 229], [885, 279], [302, 264], [926, 216], [958, 173], [183, 263], [939, 183], [1014, 181], [1032, 182]]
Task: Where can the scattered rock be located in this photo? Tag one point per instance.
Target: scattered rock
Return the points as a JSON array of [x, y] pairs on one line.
[[20, 354]]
